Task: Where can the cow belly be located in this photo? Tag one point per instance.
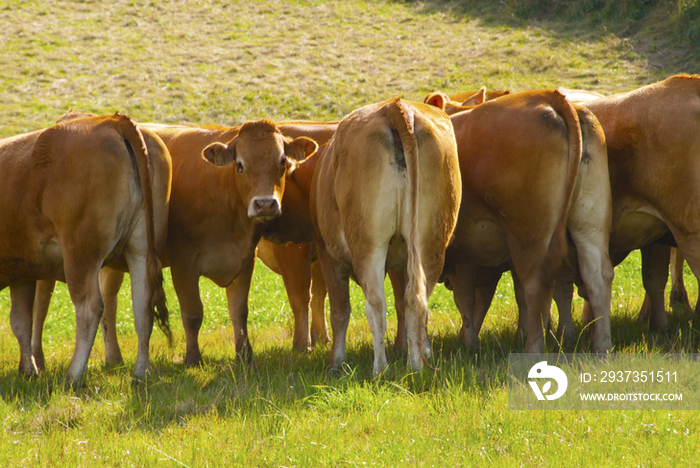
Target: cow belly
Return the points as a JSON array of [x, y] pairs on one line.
[[223, 266], [636, 229], [46, 263], [482, 241]]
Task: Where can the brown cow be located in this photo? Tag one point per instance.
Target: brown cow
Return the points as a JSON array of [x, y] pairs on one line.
[[653, 137], [76, 196], [372, 214], [217, 214], [588, 224], [520, 157]]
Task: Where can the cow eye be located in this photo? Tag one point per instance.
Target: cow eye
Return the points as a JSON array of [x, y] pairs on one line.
[[240, 167], [283, 161]]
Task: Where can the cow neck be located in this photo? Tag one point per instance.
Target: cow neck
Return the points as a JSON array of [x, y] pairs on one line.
[[304, 172]]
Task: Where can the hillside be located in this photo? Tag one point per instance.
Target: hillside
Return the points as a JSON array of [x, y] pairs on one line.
[[226, 62]]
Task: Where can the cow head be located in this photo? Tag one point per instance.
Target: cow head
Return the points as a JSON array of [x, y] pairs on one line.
[[295, 224], [260, 156]]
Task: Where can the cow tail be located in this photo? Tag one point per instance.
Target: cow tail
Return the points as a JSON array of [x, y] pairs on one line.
[[402, 118], [558, 245], [154, 269]]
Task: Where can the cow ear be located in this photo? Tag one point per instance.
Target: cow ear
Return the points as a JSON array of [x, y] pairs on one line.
[[436, 99], [477, 99], [300, 148], [220, 154]]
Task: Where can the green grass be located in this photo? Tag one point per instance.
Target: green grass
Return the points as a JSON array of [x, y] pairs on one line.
[[222, 63]]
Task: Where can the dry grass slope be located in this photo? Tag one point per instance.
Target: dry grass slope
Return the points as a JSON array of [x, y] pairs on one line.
[[227, 62]]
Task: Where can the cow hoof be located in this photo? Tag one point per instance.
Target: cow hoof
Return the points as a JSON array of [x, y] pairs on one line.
[[193, 359], [75, 384], [39, 362], [321, 339], [29, 370], [469, 339]]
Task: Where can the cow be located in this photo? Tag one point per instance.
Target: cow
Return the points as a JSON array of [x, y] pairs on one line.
[[520, 158], [588, 222], [653, 139], [373, 211], [227, 182], [75, 196]]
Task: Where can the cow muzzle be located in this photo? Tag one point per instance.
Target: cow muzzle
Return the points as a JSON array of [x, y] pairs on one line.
[[264, 208]]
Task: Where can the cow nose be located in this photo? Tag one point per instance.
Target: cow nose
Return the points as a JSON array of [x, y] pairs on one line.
[[264, 207]]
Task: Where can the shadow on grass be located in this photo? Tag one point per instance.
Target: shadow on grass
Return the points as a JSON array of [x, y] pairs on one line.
[[666, 38], [282, 380]]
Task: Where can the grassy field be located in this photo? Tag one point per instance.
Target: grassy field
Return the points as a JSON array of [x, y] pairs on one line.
[[226, 62]]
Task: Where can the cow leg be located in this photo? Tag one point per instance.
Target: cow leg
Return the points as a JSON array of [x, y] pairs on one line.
[[597, 275], [143, 317], [110, 283], [237, 296], [337, 282], [370, 275], [679, 295], [689, 248], [519, 291], [655, 259], [398, 285], [84, 288], [463, 287], [487, 282], [563, 293], [42, 300], [319, 329], [295, 268], [537, 290], [186, 284], [22, 299]]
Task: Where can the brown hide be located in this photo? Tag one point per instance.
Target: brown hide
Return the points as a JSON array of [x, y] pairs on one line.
[[519, 157], [74, 197], [214, 222], [371, 214], [653, 137]]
